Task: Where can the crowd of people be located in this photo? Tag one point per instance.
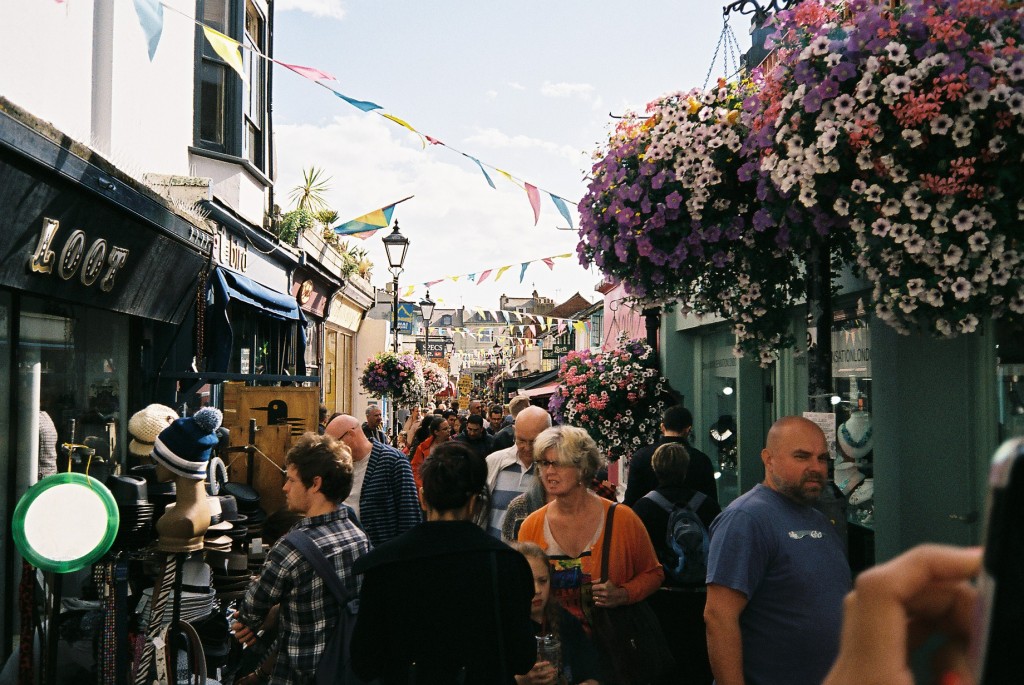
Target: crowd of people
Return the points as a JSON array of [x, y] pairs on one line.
[[480, 563]]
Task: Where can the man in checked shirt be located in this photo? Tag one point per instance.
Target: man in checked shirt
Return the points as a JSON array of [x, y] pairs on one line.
[[319, 478]]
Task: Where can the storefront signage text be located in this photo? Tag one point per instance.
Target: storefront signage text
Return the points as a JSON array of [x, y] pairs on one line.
[[230, 251], [99, 259]]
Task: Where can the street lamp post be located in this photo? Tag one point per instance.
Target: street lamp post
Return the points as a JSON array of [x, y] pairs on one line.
[[396, 246], [427, 311]]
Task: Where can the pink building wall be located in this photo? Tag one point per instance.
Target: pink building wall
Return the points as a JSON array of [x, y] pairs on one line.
[[618, 316]]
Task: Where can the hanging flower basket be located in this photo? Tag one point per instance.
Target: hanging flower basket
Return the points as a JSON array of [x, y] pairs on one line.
[[398, 376], [938, 206], [908, 126], [616, 396], [435, 379], [665, 203]]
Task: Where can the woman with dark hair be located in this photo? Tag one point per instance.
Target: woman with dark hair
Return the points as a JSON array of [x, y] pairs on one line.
[[434, 431], [445, 602]]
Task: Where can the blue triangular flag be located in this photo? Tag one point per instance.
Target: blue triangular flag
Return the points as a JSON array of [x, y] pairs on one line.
[[522, 271], [482, 170], [562, 208], [151, 18]]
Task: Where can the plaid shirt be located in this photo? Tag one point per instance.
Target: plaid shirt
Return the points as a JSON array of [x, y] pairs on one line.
[[308, 610]]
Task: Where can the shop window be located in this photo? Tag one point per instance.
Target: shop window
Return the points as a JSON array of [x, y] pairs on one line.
[[231, 116], [715, 426], [1010, 376], [72, 366], [596, 329], [262, 345], [851, 378]]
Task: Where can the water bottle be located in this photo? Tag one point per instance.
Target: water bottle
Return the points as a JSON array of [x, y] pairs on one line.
[[549, 649]]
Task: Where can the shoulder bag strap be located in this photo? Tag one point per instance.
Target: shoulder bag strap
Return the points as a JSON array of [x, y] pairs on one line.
[[308, 549], [660, 500], [606, 545], [696, 501]]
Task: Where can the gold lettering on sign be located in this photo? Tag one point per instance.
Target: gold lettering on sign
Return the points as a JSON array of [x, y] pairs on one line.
[[71, 255], [42, 260], [118, 256], [94, 260], [230, 251], [74, 255]]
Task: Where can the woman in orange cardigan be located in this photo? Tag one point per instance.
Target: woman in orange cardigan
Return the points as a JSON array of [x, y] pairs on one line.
[[571, 530], [438, 431]]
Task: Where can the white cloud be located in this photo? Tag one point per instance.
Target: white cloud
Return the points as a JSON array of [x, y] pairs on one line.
[[515, 85], [491, 94], [493, 138], [564, 90], [332, 9], [456, 223]]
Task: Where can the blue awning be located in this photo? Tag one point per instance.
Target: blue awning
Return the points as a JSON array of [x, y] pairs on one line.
[[237, 287]]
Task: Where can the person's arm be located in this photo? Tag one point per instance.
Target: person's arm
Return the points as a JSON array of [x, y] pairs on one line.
[[641, 479], [633, 567], [405, 495], [725, 643], [919, 593]]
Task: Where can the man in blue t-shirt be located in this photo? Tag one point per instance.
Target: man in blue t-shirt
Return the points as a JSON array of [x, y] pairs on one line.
[[777, 572]]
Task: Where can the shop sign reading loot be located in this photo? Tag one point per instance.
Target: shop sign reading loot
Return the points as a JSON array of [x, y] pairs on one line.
[[98, 259]]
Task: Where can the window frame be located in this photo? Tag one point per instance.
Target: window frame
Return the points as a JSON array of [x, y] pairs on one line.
[[236, 120]]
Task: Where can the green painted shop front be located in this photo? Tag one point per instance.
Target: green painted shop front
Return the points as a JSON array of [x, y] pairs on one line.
[[937, 408]]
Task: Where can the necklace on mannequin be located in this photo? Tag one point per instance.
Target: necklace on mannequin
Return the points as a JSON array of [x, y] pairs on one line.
[[856, 444]]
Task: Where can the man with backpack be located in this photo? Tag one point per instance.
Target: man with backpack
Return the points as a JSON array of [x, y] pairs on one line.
[[319, 478], [676, 427], [678, 519]]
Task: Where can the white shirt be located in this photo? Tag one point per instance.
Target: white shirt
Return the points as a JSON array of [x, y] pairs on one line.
[[358, 472]]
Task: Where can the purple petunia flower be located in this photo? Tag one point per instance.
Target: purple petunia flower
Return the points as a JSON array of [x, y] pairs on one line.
[[978, 78], [673, 200]]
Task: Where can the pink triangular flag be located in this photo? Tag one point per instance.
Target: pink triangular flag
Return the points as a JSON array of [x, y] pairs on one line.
[[483, 277], [550, 262], [534, 195], [312, 73]]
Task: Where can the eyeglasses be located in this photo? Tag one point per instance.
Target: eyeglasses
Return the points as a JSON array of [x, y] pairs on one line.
[[547, 463]]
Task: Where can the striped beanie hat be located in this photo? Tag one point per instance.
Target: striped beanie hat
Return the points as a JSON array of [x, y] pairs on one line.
[[184, 446]]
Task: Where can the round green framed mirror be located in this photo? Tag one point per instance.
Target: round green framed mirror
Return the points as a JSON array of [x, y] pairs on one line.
[[65, 522]]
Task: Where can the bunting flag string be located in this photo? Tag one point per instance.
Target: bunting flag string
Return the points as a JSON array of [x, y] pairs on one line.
[[485, 273], [150, 14]]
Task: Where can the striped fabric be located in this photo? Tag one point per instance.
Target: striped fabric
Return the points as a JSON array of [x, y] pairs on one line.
[[512, 482], [388, 504]]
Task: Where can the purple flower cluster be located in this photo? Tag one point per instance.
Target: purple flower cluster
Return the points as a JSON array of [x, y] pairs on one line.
[[399, 376]]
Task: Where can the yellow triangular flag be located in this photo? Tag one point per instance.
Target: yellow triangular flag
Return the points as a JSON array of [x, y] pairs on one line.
[[409, 291], [228, 48], [509, 177], [401, 122], [501, 271]]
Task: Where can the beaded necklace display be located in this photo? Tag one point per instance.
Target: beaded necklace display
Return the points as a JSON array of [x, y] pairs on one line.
[[856, 444]]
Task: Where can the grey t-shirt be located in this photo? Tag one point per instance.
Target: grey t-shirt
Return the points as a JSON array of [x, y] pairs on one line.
[[789, 562]]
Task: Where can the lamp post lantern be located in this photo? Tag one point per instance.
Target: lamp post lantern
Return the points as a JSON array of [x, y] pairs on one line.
[[427, 311], [396, 246]]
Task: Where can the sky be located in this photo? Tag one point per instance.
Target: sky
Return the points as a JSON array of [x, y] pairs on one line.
[[528, 87]]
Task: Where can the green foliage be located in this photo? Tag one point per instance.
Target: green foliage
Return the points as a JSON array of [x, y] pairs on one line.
[[293, 223]]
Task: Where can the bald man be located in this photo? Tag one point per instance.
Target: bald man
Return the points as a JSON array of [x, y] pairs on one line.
[[383, 494], [777, 570], [511, 471]]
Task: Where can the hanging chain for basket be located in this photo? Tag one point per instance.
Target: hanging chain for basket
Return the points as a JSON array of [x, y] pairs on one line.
[[732, 51]]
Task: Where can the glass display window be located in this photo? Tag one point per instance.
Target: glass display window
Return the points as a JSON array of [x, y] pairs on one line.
[[72, 370], [716, 426], [851, 402]]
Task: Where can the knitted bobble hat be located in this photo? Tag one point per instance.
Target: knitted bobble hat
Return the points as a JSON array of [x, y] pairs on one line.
[[145, 425], [184, 446]]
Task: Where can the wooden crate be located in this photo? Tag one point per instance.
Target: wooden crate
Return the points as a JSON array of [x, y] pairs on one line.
[[282, 415]]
